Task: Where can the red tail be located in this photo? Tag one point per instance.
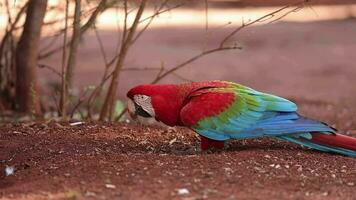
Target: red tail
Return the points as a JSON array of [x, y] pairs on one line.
[[335, 140]]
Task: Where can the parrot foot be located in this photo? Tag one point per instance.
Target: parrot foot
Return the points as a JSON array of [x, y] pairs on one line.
[[207, 144]]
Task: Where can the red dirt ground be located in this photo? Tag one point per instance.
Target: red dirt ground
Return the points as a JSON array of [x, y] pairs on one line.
[[107, 161], [311, 63]]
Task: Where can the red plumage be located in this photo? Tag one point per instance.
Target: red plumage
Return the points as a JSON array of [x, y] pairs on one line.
[[206, 105], [335, 140], [168, 100]]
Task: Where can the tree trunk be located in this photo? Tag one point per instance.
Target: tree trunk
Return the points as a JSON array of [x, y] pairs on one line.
[[27, 97]]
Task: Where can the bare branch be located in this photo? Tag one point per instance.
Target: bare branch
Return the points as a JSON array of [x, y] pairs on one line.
[[12, 27], [221, 46], [103, 5], [50, 69], [81, 100], [151, 18], [63, 100], [260, 19], [287, 13], [140, 69], [160, 12], [190, 60], [121, 114]]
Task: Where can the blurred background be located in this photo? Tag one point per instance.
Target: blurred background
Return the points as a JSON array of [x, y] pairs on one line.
[[303, 50]]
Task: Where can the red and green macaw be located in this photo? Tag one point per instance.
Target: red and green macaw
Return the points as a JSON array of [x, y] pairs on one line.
[[221, 110]]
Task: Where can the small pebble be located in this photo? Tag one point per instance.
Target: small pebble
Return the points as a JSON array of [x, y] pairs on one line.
[[9, 170], [182, 191], [350, 184], [76, 123], [110, 186], [325, 193]]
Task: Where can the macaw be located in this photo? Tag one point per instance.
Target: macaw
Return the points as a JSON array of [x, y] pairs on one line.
[[221, 110]]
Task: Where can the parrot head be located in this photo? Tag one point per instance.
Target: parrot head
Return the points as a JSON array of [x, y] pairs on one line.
[[161, 102], [140, 105]]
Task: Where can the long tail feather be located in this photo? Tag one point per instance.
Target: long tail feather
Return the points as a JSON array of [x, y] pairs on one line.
[[334, 143], [335, 140]]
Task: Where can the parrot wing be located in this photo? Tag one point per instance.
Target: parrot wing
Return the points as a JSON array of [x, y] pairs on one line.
[[239, 112]]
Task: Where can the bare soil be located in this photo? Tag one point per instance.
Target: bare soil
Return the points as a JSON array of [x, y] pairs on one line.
[[310, 63], [108, 161]]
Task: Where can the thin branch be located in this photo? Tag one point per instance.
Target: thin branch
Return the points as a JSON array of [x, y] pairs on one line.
[[287, 13], [12, 27], [50, 69], [190, 60], [140, 69], [103, 5], [260, 19], [63, 100], [181, 77], [125, 23], [160, 12], [222, 43], [121, 114], [101, 46], [151, 18], [52, 42], [81, 100]]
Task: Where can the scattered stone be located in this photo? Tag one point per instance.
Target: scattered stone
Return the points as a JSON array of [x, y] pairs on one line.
[[9, 170], [172, 141], [90, 194], [300, 168], [110, 186], [182, 191], [76, 123], [350, 183], [228, 169]]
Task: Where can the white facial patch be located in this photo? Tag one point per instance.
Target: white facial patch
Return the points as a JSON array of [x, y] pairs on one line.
[[145, 103]]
